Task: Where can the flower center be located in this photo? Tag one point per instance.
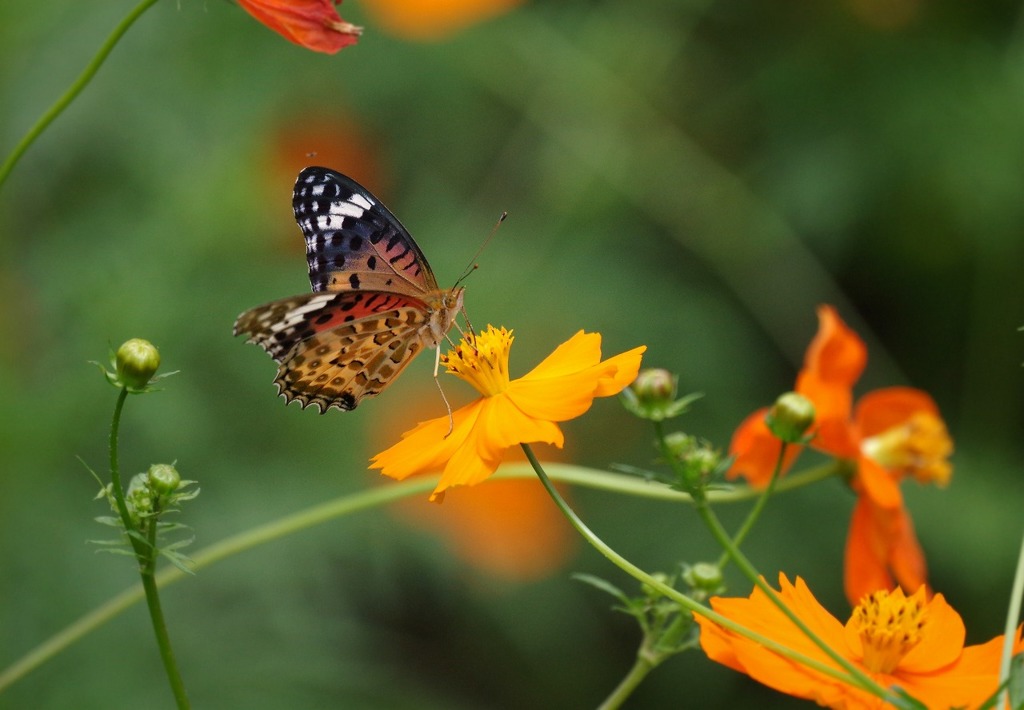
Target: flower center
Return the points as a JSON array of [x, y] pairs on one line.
[[482, 360], [918, 447], [889, 625]]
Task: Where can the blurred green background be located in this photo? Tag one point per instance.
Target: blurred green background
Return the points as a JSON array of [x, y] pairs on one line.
[[693, 176]]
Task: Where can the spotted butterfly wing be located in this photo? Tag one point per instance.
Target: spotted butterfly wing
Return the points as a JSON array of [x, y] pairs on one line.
[[375, 303]]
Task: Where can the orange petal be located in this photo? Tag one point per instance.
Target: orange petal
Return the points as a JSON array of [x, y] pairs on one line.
[[433, 19], [834, 361], [507, 528], [883, 409], [502, 424], [875, 482], [313, 24], [942, 639], [967, 682], [756, 451], [758, 614], [498, 426], [427, 447], [564, 384], [881, 549]]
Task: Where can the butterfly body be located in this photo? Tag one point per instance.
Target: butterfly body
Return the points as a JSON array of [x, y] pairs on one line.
[[375, 302]]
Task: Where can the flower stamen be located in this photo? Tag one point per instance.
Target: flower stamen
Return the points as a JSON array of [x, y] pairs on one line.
[[482, 360], [919, 447], [889, 625]]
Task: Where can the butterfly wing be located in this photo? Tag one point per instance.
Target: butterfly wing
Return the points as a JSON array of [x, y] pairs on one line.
[[353, 242], [334, 348]]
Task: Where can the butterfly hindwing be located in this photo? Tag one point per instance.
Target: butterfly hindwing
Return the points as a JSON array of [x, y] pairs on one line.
[[335, 348], [353, 242]]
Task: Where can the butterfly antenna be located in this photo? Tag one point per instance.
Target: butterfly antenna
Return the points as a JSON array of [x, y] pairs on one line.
[[473, 266], [437, 381]]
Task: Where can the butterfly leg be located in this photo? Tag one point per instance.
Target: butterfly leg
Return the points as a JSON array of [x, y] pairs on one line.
[[437, 381]]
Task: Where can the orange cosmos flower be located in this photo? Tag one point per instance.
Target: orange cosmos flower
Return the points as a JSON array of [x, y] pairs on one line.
[[912, 642], [314, 24], [428, 20], [891, 434], [470, 445]]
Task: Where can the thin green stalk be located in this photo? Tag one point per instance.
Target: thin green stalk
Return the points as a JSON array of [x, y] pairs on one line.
[[1012, 619], [755, 512], [115, 471], [628, 684], [145, 553], [73, 91], [352, 503], [670, 592], [861, 679]]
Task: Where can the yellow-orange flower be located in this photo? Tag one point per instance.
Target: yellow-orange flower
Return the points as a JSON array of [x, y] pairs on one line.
[[314, 24], [912, 642], [890, 434], [427, 20], [469, 446]]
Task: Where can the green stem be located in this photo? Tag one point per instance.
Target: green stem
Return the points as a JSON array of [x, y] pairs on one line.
[[73, 91], [115, 471], [755, 512], [670, 592], [352, 503], [731, 550], [859, 678], [628, 684], [145, 553], [1012, 617]]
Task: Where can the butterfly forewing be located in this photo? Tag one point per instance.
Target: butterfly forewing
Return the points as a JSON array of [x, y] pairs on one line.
[[375, 303], [353, 242]]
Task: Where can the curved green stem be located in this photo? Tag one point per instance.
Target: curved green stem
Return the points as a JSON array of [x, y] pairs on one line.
[[145, 553], [115, 471], [348, 504], [680, 598], [859, 678], [628, 684], [1012, 618], [73, 91], [755, 512]]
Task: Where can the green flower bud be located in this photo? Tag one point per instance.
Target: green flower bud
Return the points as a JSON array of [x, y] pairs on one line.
[[704, 576], [654, 387], [136, 362], [679, 445], [138, 498], [790, 418], [163, 479]]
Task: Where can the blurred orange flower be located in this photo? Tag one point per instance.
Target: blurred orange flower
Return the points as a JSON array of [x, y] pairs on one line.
[[912, 642], [314, 24], [427, 20], [468, 446], [892, 433]]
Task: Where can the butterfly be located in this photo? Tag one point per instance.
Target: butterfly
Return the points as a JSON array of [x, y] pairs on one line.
[[375, 302]]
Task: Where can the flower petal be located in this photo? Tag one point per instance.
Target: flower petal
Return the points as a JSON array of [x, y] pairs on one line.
[[942, 639], [834, 361], [313, 24], [883, 409], [430, 20], [881, 549], [428, 446], [564, 384], [758, 614], [966, 682]]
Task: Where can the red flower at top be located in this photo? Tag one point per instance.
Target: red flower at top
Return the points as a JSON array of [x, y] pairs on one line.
[[314, 24], [890, 434]]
